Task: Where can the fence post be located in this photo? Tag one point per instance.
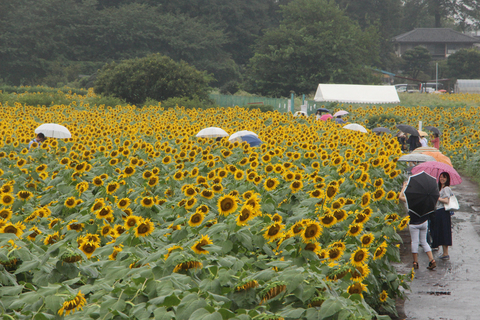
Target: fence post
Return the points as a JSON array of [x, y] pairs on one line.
[[292, 103]]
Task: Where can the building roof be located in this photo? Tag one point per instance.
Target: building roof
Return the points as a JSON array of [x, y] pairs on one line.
[[443, 35]]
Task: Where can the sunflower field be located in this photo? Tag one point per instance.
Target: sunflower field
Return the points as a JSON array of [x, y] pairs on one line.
[[136, 218]]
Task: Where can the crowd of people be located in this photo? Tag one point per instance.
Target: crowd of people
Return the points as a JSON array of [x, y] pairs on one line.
[[433, 230]]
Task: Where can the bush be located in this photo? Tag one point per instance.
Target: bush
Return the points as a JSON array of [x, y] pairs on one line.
[[263, 108], [42, 99], [189, 103], [154, 76], [108, 101], [382, 120]]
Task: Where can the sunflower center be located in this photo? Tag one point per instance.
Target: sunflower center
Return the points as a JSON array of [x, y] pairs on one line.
[[327, 219], [196, 218], [297, 228], [359, 256], [88, 248], [273, 230], [226, 204], [311, 231], [10, 229], [244, 216], [143, 228]]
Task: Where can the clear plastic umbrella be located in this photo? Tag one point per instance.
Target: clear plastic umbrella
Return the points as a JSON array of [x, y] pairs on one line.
[[237, 135], [54, 130], [340, 113], [356, 127], [212, 132]]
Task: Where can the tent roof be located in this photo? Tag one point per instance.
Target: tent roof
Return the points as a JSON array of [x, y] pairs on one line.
[[355, 93]]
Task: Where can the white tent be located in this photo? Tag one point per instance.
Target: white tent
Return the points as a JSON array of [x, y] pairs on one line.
[[355, 93]]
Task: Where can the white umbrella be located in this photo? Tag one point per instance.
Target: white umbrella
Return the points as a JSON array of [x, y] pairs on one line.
[[53, 130], [212, 132], [340, 113], [239, 134], [356, 127]]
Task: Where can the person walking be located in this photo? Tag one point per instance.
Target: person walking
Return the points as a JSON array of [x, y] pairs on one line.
[[414, 142], [38, 139], [423, 139], [418, 232], [442, 228], [402, 140], [435, 140]]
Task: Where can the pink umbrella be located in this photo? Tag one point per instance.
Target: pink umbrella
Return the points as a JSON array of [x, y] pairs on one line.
[[340, 113], [435, 168], [325, 117]]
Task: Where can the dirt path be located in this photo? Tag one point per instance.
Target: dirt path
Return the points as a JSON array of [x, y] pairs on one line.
[[452, 290]]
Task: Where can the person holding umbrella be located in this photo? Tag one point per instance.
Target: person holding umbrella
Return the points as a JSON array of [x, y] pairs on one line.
[[418, 226], [38, 139], [442, 226], [435, 140]]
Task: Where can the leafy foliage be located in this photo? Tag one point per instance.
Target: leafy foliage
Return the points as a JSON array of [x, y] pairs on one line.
[[155, 76], [416, 60], [464, 64], [315, 43]]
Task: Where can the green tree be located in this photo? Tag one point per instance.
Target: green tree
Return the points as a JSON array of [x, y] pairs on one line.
[[416, 60], [464, 64], [152, 77], [465, 14], [315, 42], [53, 38]]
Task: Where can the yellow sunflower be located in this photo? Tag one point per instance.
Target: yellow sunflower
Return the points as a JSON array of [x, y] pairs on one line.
[[196, 219], [312, 231], [112, 187], [147, 202], [270, 184], [227, 205], [274, 231], [359, 256], [380, 251], [327, 220], [246, 214], [383, 296], [6, 214], [357, 288], [295, 186], [71, 202], [16, 229], [354, 229], [88, 247], [144, 229], [24, 195], [367, 239], [131, 221], [123, 203], [198, 246], [6, 199], [365, 201], [75, 303]]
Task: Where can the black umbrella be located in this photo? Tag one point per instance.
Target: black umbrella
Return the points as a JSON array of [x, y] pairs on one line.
[[381, 129], [422, 193], [323, 110], [433, 129], [408, 129]]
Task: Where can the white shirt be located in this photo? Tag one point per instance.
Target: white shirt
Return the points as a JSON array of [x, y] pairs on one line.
[[424, 142]]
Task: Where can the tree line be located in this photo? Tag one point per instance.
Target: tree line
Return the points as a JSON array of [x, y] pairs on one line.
[[270, 47]]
